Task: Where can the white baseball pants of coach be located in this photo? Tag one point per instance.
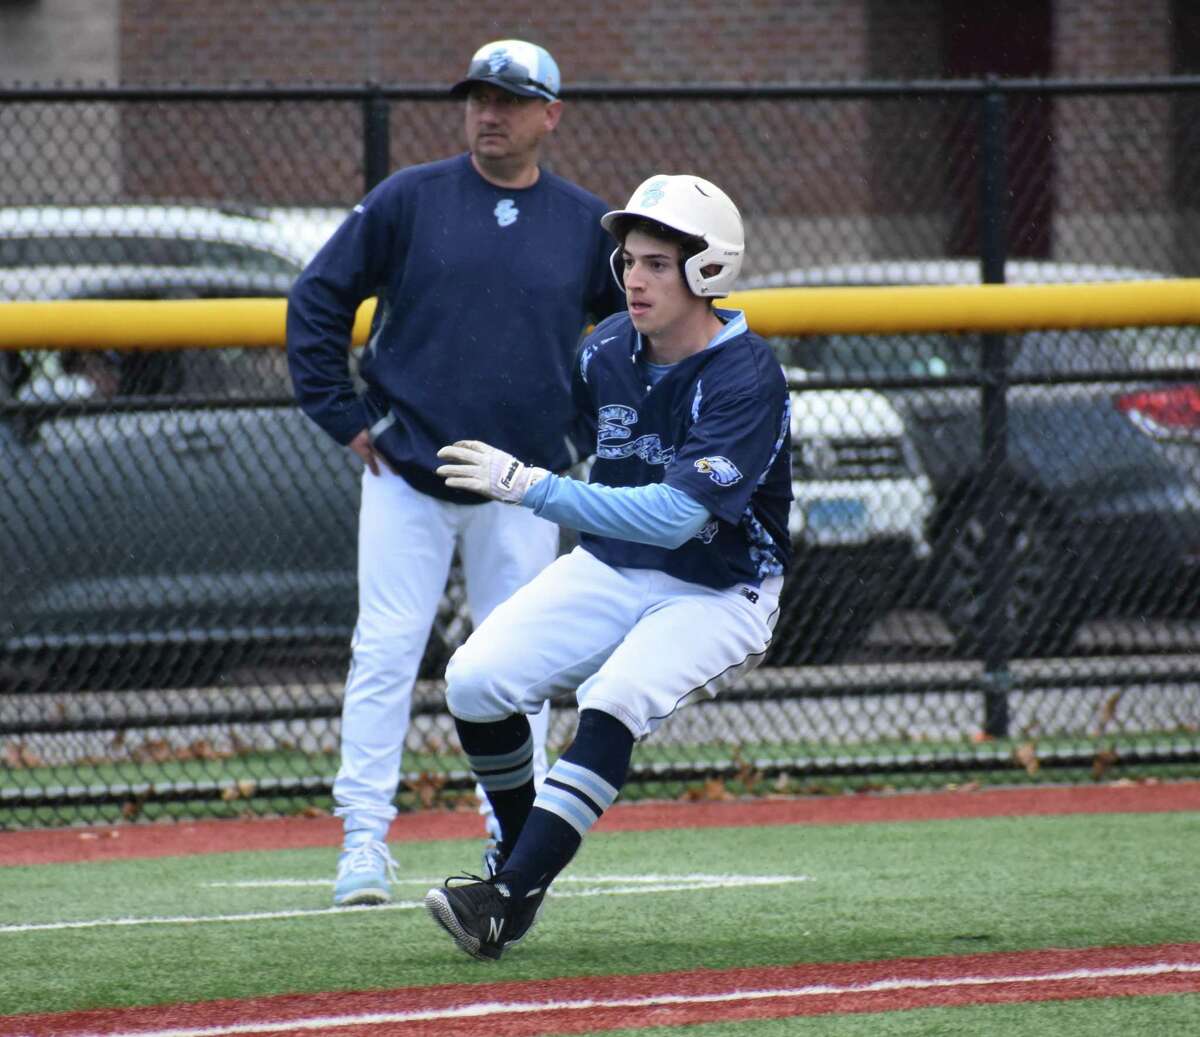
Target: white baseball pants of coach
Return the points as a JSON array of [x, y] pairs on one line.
[[406, 542], [635, 643]]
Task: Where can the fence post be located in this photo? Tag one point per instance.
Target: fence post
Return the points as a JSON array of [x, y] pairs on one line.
[[995, 631], [376, 137]]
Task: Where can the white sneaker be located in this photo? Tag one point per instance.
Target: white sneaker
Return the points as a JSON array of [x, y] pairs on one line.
[[364, 875]]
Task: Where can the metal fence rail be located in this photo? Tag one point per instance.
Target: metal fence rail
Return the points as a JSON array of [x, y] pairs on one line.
[[997, 536]]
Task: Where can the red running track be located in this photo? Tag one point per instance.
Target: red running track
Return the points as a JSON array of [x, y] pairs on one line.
[[45, 846], [581, 1004]]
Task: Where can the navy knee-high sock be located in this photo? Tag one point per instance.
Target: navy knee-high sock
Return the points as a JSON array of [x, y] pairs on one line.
[[501, 758], [581, 785]]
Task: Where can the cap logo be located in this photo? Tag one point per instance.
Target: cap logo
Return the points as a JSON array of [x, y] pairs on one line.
[[498, 61], [653, 194]]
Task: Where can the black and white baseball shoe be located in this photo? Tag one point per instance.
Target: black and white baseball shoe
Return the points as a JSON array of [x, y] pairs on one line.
[[524, 915], [480, 917]]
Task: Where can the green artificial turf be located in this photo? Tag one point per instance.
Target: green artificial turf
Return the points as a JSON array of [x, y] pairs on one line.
[[877, 891]]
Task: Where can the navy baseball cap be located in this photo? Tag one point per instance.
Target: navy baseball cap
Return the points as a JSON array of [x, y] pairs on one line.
[[513, 65]]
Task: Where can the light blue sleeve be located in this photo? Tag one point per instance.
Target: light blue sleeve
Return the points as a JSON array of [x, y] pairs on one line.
[[659, 515]]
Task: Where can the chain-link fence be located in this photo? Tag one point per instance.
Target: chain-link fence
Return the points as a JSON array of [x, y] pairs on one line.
[[997, 537]]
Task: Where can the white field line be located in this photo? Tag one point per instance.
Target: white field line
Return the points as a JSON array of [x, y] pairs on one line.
[[658, 884], [485, 1009], [705, 879]]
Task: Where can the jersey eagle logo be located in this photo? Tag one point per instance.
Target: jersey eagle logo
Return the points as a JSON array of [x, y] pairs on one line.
[[720, 470]]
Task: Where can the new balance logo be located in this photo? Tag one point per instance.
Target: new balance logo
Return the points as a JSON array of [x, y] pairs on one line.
[[495, 928]]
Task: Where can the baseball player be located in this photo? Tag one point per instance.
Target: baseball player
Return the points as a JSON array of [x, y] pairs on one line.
[[487, 270], [673, 591]]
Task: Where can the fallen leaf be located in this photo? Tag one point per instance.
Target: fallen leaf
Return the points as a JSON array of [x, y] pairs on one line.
[[1102, 762], [203, 749], [428, 787], [17, 755], [243, 789], [749, 777], [715, 789], [1109, 710], [153, 750], [1026, 755]]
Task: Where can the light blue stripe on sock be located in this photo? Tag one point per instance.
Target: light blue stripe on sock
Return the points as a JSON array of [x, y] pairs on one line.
[[588, 782], [504, 761], [507, 780], [570, 808]]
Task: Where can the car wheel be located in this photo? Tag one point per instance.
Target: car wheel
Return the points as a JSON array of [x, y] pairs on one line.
[[1039, 604]]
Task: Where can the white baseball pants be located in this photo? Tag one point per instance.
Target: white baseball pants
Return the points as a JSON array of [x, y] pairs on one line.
[[635, 643], [406, 542]]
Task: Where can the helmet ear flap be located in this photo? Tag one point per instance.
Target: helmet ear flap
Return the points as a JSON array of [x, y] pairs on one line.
[[613, 260], [711, 272]]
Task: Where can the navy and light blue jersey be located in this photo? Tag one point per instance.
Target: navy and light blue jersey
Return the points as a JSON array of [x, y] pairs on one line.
[[715, 426], [483, 293]]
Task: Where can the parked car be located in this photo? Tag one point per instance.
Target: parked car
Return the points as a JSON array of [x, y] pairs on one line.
[[170, 514], [151, 536], [1100, 498], [862, 507]]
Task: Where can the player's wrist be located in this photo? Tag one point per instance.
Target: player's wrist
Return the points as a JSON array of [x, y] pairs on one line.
[[513, 479], [537, 488]]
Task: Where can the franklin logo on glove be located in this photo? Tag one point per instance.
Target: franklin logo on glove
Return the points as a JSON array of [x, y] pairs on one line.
[[507, 479]]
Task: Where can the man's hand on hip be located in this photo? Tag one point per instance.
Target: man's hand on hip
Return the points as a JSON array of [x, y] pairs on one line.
[[372, 458], [488, 471]]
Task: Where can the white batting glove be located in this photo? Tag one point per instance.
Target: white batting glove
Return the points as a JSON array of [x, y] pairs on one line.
[[488, 471]]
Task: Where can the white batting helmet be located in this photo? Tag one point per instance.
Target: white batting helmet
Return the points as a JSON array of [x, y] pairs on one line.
[[700, 209]]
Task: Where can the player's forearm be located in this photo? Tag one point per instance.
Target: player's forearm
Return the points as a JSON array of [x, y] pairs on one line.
[[657, 514]]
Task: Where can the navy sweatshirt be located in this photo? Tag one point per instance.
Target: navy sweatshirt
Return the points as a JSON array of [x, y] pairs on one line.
[[483, 292]]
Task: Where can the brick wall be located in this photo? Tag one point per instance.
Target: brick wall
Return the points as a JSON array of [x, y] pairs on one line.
[[348, 41], [1098, 39], [1129, 207], [822, 180]]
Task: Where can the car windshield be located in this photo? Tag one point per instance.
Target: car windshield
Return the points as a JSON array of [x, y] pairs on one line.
[[137, 250], [1030, 353]]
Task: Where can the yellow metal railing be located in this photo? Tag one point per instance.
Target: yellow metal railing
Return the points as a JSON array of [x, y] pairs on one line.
[[195, 323]]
